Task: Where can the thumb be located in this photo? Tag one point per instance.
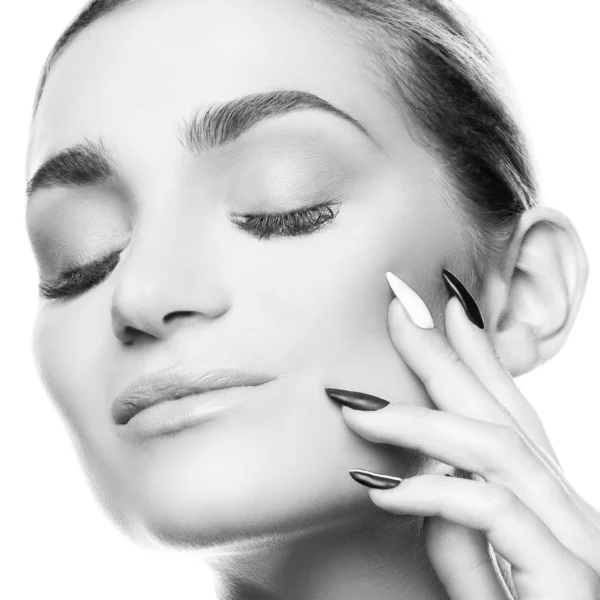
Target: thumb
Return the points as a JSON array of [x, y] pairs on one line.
[[463, 560]]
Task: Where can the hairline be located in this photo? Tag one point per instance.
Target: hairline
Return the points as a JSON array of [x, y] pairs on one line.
[[450, 193], [79, 24]]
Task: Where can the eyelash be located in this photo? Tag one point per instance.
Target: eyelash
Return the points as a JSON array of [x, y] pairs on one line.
[[77, 280]]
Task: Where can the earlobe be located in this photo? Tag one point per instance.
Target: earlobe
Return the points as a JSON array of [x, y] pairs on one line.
[[536, 292]]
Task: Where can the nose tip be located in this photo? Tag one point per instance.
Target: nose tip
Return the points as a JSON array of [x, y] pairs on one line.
[[172, 274]]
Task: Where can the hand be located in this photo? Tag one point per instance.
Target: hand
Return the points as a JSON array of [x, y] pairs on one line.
[[519, 502]]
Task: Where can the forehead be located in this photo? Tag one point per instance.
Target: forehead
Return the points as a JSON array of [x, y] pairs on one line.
[[134, 73]]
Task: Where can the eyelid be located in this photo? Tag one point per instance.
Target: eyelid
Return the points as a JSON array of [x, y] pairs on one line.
[[76, 280], [324, 200]]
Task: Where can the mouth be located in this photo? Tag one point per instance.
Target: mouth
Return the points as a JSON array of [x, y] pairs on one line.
[[176, 383]]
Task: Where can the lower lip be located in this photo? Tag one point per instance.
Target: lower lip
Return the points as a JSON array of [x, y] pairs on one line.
[[172, 416]]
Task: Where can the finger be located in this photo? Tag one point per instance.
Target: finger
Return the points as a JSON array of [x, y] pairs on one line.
[[476, 350], [463, 561], [439, 365], [450, 383], [453, 385], [498, 453], [541, 564]]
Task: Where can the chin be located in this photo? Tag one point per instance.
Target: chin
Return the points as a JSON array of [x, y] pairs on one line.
[[202, 504]]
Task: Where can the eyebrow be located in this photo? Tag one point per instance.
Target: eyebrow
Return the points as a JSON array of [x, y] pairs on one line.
[[91, 163]]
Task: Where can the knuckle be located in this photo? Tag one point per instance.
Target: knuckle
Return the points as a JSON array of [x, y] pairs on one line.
[[454, 580], [449, 354], [445, 355], [519, 462], [538, 477], [510, 438], [509, 445], [501, 501]]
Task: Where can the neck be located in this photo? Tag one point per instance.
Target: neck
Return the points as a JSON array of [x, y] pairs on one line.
[[379, 556]]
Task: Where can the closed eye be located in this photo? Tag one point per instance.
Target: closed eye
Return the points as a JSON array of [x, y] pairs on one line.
[[77, 280]]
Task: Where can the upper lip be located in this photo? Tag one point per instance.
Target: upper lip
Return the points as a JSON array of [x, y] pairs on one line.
[[176, 382]]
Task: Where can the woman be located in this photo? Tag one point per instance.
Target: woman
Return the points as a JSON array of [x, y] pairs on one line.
[[216, 192]]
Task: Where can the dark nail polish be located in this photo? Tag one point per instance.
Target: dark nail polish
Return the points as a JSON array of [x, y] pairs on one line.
[[374, 480], [456, 288], [356, 400]]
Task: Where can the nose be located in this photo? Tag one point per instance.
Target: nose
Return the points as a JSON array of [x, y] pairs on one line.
[[170, 277]]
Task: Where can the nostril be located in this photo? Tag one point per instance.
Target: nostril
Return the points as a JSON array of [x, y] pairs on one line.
[[129, 334]]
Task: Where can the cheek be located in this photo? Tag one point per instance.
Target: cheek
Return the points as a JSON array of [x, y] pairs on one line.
[[327, 298], [327, 317], [67, 345], [353, 347]]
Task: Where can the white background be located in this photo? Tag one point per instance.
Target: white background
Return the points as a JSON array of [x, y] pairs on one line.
[[57, 539]]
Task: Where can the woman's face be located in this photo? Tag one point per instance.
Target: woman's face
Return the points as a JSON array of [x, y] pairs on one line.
[[191, 286]]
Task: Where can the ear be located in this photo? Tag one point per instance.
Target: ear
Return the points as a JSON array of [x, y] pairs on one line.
[[531, 299]]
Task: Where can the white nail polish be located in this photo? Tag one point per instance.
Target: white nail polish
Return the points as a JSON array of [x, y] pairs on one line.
[[416, 308]]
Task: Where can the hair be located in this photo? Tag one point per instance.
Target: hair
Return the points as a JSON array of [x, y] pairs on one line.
[[427, 57]]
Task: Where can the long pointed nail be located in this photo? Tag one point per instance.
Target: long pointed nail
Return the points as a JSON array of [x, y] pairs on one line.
[[456, 288], [411, 301], [356, 400], [374, 480]]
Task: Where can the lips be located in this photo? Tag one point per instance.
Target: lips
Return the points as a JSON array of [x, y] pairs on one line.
[[177, 382]]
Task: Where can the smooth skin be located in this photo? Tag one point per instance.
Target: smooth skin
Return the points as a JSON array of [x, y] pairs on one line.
[[520, 501], [262, 494]]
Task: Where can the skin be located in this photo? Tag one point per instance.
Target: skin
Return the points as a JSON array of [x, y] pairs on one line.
[[287, 521]]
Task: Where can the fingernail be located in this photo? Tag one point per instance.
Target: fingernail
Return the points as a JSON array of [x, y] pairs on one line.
[[356, 400], [456, 288], [374, 480], [411, 301]]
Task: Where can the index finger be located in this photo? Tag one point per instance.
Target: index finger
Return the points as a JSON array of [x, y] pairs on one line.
[[460, 370]]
